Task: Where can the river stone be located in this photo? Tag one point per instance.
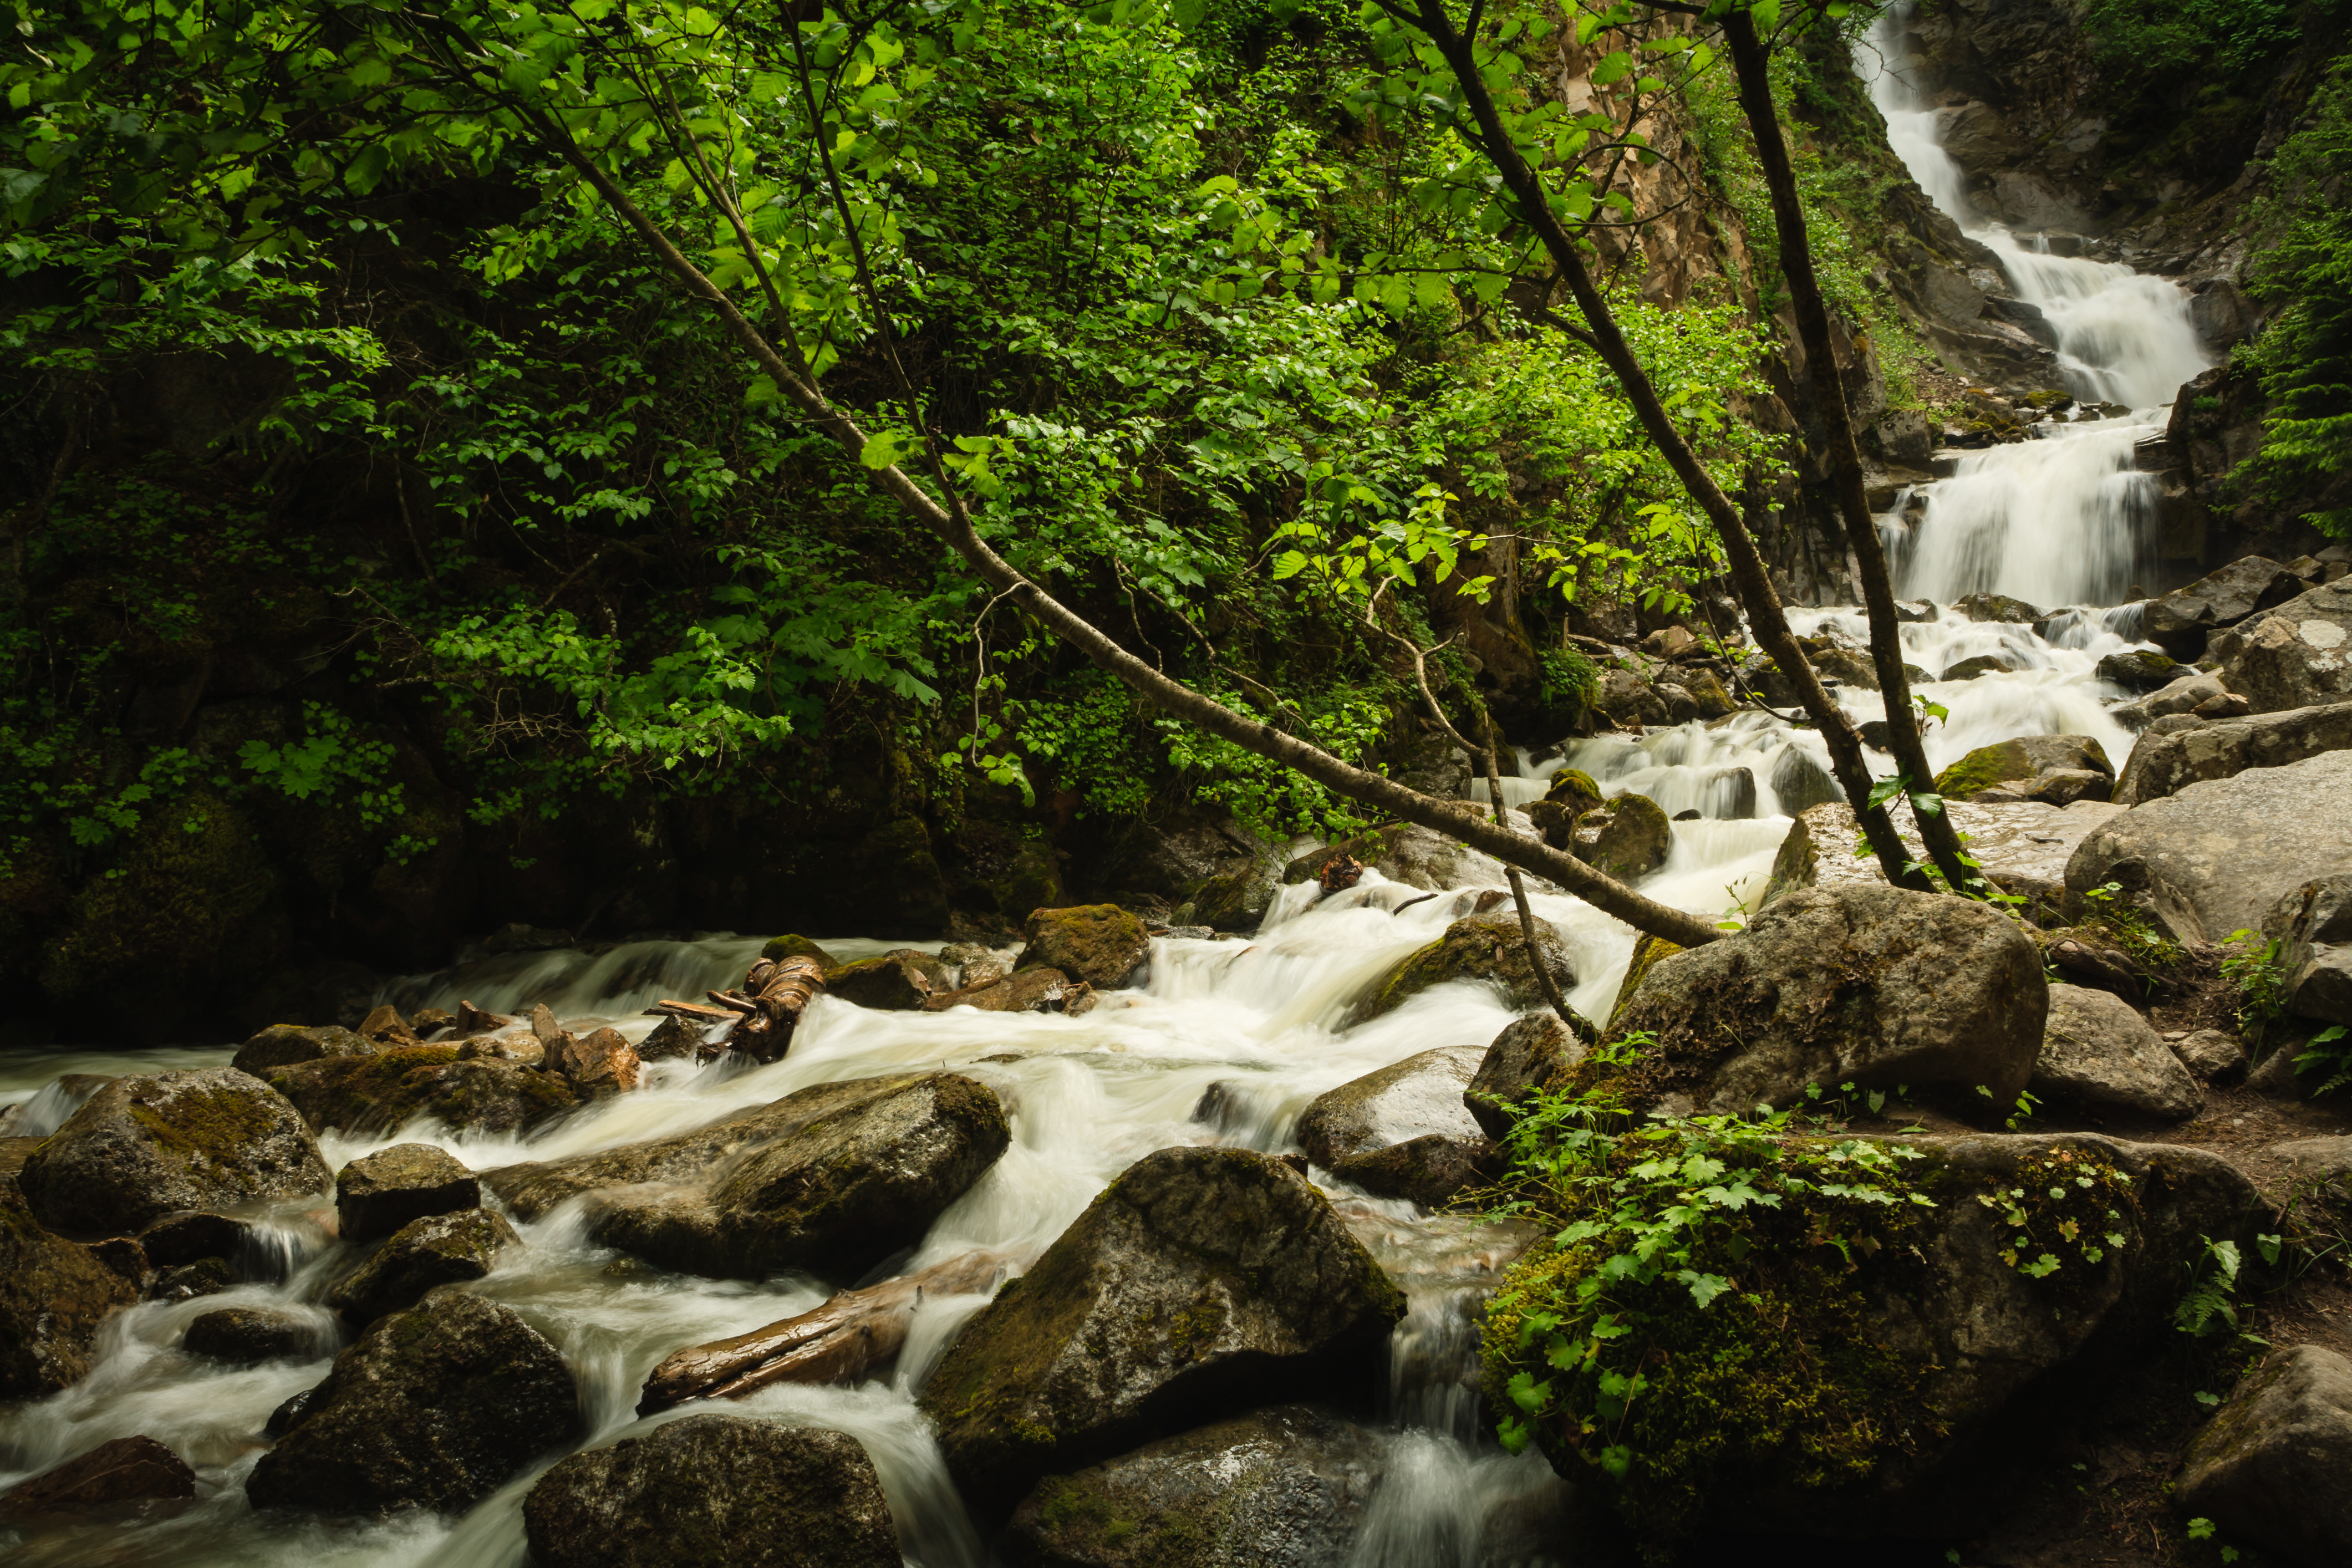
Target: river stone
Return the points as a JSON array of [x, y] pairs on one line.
[[1199, 1282], [2140, 669], [2213, 856], [1628, 700], [2179, 621], [1420, 1095], [124, 1470], [864, 1174], [385, 1092], [1572, 789], [779, 947], [1980, 664], [2313, 926], [1285, 1488], [431, 1409], [2274, 1467], [1525, 1058], [597, 1064], [714, 1491], [1027, 990], [283, 1045], [441, 1249], [2210, 1055], [2296, 655], [1796, 863], [1799, 782], [1997, 607], [887, 983], [379, 1193], [2162, 764], [1635, 841], [243, 1336], [2021, 760], [1873, 985], [1102, 944], [2180, 700], [53, 1295], [2097, 1052], [1847, 666], [142, 1147], [192, 1235], [1489, 947]]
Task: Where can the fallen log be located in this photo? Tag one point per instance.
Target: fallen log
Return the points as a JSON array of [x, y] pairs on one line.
[[733, 1003], [692, 1012], [782, 990], [851, 1332]]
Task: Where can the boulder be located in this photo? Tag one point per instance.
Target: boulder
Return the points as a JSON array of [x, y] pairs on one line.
[[890, 982], [53, 1295], [2141, 670], [379, 1193], [1981, 664], [144, 1146], [681, 1036], [1403, 1131], [1706, 690], [186, 1237], [1102, 944], [1796, 863], [1199, 1283], [1847, 666], [1864, 983], [2270, 1469], [283, 1045], [1527, 1056], [1635, 839], [1573, 790], [596, 1065], [2096, 1052], [385, 1092], [2325, 1159], [243, 1336], [1997, 607], [2313, 926], [442, 1249], [1025, 991], [2163, 762], [1400, 852], [714, 1491], [2213, 856], [2179, 621], [2210, 1055], [1488, 947], [204, 1277], [2296, 655], [833, 1179], [1799, 782], [431, 1409], [2022, 760], [1285, 1488], [779, 947], [123, 1472], [1628, 701]]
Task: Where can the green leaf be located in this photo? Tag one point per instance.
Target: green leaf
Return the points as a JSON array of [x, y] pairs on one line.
[[881, 451]]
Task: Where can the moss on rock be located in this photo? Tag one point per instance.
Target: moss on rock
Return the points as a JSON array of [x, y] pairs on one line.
[[1479, 947], [1098, 943], [382, 1093], [793, 945]]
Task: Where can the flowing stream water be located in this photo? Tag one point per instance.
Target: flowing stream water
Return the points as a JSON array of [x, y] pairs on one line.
[[2056, 521]]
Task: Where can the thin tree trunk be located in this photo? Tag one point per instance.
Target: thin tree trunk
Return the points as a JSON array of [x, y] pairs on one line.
[[1751, 64]]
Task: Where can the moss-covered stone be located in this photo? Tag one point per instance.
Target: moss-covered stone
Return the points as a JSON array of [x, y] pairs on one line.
[[383, 1092], [283, 1045], [379, 1193], [441, 1249], [1648, 951], [1634, 841], [888, 981], [1997, 607], [1796, 865], [1479, 947], [2024, 758], [53, 1296], [793, 945], [1098, 943], [1573, 789]]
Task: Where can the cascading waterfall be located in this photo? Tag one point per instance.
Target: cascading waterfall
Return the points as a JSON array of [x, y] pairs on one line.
[[2066, 520]]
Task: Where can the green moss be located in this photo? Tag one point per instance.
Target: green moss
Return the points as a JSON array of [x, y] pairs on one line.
[[1983, 768], [1647, 951], [1574, 789], [206, 1127], [779, 947]]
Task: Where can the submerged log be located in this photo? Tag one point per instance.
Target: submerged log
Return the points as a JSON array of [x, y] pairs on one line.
[[781, 990], [853, 1332], [692, 1012]]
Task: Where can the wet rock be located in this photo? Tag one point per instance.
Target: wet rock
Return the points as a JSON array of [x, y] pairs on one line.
[[2141, 670], [473, 1020], [1796, 863], [1869, 984], [1527, 1056], [1199, 1282], [386, 1027], [1421, 1094], [677, 1036], [1400, 852], [2270, 1469], [432, 1408], [1999, 608], [2096, 1052], [1635, 841], [1431, 1170], [1286, 1488], [779, 947], [53, 1295], [596, 1065], [383, 1093], [2298, 655], [191, 1234], [1708, 694], [1573, 789], [245, 1336], [2179, 699], [1680, 705], [2181, 621], [1799, 782], [1982, 664], [2313, 926], [833, 1179], [442, 1249], [204, 1277], [2210, 1055], [1628, 700], [2021, 762], [283, 1045], [1479, 947], [1025, 991], [1102, 944], [1847, 666], [2161, 763], [144, 1147], [2213, 856], [714, 1491], [111, 1475], [887, 983], [380, 1193], [125, 1257]]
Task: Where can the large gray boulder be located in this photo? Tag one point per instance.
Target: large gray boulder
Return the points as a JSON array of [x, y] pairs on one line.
[[144, 1147], [54, 1293], [2296, 655], [2213, 856], [1199, 1283], [2313, 926], [431, 1409], [833, 1179], [1529, 1055], [1285, 1488], [2181, 621], [1872, 985], [2177, 699], [2097, 1052], [714, 1491], [1403, 1131], [2274, 1467], [2019, 768], [2162, 764]]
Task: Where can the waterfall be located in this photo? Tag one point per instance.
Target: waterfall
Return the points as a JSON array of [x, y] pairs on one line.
[[2066, 520]]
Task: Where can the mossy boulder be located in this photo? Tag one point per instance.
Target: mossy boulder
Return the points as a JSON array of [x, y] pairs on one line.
[[1235, 901], [1102, 944], [1420, 1095], [1795, 865], [2271, 1467], [779, 948], [1847, 666], [898, 980], [53, 1296], [2141, 670], [1489, 947], [443, 1249], [1648, 951], [386, 1091], [379, 1193], [1530, 1054], [1201, 1282], [714, 1491], [1979, 664], [246, 1336], [431, 1409], [1800, 782], [1633, 841], [146, 1146], [2021, 760], [1997, 607], [283, 1045], [1573, 790]]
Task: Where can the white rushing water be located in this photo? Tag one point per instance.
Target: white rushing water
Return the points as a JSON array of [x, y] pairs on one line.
[[2066, 520]]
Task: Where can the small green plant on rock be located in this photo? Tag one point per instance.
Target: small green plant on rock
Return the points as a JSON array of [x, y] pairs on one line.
[[2065, 1207]]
